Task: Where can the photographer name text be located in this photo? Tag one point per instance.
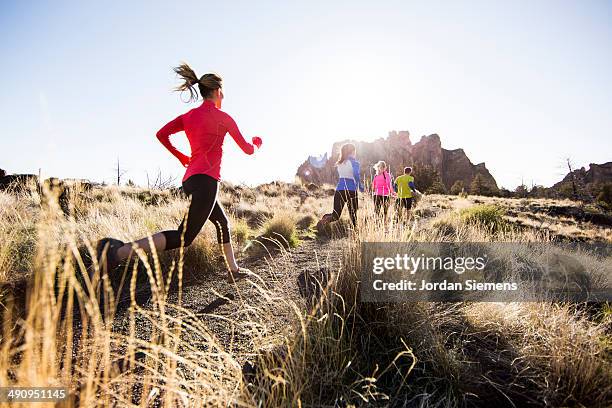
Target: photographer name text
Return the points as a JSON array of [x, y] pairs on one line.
[[470, 284]]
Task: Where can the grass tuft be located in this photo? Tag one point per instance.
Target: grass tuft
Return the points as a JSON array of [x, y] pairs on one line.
[[282, 228], [487, 216]]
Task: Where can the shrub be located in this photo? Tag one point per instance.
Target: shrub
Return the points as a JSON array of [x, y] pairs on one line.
[[241, 231], [17, 249], [538, 192], [270, 190], [336, 229], [457, 188], [424, 212], [281, 227], [566, 190], [485, 215], [202, 256], [254, 215], [306, 222], [425, 176], [436, 188], [605, 195], [444, 228], [521, 191], [480, 186]]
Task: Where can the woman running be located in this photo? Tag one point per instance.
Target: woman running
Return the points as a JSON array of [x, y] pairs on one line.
[[381, 189], [205, 127], [346, 189]]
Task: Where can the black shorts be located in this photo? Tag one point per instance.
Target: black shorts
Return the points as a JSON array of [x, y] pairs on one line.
[[404, 203]]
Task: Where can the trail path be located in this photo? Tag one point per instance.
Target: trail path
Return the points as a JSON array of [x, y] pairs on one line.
[[241, 319]]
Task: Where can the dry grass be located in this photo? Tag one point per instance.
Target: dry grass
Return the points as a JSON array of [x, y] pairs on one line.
[[342, 352], [241, 232], [281, 228], [533, 214], [18, 232]]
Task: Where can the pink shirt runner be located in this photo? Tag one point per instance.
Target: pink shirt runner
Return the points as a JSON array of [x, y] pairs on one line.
[[205, 127], [382, 184]]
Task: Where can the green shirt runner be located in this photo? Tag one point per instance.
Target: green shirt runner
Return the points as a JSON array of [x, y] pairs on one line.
[[403, 186]]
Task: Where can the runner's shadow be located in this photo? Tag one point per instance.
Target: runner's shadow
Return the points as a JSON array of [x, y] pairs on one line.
[[217, 303]]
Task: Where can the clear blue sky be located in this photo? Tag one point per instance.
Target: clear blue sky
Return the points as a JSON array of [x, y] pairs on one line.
[[519, 85]]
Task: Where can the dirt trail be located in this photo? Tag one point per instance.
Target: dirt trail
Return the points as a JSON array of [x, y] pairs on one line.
[[242, 319]]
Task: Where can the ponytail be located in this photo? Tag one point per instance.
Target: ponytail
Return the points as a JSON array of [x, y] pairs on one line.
[[206, 84], [191, 79]]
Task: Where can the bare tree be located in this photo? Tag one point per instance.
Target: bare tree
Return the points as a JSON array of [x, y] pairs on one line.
[[572, 177], [120, 173], [161, 182]]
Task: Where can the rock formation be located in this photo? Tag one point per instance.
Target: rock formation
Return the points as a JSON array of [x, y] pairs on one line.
[[398, 151], [596, 174], [583, 184]]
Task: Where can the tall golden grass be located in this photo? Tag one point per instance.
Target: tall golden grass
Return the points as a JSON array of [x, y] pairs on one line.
[[339, 352]]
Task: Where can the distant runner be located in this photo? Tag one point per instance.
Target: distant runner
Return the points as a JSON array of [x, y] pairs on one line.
[[349, 180], [405, 191], [205, 128], [382, 189]]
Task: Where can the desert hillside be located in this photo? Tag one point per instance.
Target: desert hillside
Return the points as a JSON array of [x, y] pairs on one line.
[[169, 330]]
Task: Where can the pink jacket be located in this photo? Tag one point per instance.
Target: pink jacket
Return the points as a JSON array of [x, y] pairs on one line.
[[382, 184], [205, 127]]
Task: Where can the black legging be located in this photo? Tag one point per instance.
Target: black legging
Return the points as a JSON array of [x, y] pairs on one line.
[[204, 206], [342, 197], [381, 203]]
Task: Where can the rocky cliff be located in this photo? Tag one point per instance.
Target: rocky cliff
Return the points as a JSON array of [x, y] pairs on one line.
[[582, 183], [398, 151], [596, 174]]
